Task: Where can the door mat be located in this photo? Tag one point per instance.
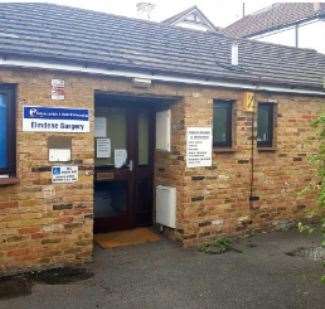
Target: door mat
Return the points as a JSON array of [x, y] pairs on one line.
[[125, 238]]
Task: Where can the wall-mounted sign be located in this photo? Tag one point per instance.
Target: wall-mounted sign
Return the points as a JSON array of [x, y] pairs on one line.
[[103, 148], [59, 155], [249, 102], [57, 92], [199, 146], [105, 176], [55, 119], [64, 174]]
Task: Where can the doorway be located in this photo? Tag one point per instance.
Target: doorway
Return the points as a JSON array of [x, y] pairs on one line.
[[124, 149]]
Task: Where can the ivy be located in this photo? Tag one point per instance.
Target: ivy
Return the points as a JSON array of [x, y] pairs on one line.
[[318, 162]]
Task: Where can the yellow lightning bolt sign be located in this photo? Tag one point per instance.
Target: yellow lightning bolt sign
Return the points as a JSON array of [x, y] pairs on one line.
[[249, 102]]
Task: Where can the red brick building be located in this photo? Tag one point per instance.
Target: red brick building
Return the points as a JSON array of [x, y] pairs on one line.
[[100, 113]]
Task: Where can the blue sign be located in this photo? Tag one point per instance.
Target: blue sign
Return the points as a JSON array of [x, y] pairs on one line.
[[54, 113], [56, 171], [55, 119]]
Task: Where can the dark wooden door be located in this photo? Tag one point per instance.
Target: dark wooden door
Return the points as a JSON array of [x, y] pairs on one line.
[[124, 181]]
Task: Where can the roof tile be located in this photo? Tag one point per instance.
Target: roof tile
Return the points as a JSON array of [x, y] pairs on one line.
[[76, 36], [276, 16]]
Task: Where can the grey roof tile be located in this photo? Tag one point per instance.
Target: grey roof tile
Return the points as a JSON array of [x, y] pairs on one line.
[[75, 36], [276, 16]]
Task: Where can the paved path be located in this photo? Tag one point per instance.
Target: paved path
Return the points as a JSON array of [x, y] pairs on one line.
[[163, 275]]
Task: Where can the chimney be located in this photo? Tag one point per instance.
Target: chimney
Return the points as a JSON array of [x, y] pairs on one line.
[[144, 9], [235, 53]]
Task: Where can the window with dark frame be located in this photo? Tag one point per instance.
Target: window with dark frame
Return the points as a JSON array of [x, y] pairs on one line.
[[265, 125], [7, 131], [222, 124]]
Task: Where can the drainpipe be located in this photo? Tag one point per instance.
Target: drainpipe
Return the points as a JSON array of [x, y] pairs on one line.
[[252, 197]]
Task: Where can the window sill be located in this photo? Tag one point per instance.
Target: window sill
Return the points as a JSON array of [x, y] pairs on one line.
[[224, 150], [8, 181], [267, 149]]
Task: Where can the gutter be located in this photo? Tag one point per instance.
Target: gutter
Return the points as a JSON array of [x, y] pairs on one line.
[[154, 77], [285, 26]]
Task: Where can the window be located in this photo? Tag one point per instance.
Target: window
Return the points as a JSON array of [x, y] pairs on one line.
[[265, 125], [222, 124], [7, 131]]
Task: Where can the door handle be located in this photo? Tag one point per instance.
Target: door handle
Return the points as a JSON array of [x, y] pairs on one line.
[[130, 165]]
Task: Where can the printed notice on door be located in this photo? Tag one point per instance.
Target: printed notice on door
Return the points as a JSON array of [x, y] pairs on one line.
[[103, 148], [199, 146]]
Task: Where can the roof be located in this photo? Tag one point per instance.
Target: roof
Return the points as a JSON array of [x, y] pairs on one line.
[[173, 20], [64, 35], [276, 16]]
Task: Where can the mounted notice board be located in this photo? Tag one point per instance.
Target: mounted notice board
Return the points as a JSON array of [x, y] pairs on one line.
[[198, 146], [249, 102]]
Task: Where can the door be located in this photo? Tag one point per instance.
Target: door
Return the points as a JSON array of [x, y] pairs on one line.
[[124, 146]]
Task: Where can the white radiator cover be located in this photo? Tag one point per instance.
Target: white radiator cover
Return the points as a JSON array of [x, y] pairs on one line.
[[166, 206]]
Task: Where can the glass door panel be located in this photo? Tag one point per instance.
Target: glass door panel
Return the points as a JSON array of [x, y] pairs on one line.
[[143, 138], [3, 132], [111, 199], [114, 124]]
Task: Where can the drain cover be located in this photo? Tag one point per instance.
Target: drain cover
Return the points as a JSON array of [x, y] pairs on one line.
[[15, 286], [62, 275], [316, 254]]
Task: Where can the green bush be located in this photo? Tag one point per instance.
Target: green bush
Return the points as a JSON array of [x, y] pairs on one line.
[[318, 161]]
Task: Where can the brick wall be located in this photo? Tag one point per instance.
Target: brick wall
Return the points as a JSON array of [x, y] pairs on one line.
[[217, 198], [42, 224]]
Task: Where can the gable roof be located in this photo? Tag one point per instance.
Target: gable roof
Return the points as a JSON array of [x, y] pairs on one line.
[[61, 35], [173, 20], [278, 15]]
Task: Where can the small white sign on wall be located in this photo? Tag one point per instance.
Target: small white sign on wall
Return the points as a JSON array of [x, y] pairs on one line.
[[199, 146], [59, 155], [64, 174], [57, 92]]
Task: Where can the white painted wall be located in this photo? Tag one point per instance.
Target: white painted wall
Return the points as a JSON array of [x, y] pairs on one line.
[[310, 35], [193, 26], [285, 36]]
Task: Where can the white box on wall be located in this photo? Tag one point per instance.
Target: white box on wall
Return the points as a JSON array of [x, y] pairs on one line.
[[59, 155], [166, 206], [163, 130]]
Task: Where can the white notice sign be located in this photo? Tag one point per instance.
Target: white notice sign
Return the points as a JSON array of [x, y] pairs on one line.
[[199, 146], [57, 92], [64, 174], [59, 155], [100, 127], [103, 148], [120, 157]]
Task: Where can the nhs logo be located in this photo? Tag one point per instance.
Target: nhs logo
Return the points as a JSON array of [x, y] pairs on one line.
[[55, 119], [32, 112]]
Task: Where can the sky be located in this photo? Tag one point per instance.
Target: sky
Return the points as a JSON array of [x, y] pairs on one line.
[[221, 13]]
